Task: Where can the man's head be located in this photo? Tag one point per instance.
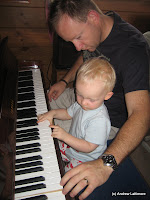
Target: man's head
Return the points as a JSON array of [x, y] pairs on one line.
[[77, 21], [94, 83]]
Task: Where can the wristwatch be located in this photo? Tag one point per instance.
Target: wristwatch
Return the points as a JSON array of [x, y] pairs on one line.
[[109, 160]]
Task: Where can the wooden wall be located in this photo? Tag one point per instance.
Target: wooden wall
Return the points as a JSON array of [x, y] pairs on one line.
[[27, 31], [136, 12], [26, 28]]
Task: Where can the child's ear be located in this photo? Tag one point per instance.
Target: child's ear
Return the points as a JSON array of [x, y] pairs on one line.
[[108, 95]]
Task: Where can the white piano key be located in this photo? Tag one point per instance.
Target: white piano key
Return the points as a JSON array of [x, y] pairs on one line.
[[44, 123], [53, 196], [23, 119]]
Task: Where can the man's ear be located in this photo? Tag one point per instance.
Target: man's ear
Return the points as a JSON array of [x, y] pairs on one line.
[[108, 95], [93, 16]]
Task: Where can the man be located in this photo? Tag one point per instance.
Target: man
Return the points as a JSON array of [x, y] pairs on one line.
[[95, 34]]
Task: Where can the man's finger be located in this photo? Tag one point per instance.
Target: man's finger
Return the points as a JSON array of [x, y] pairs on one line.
[[86, 192], [71, 178], [81, 185]]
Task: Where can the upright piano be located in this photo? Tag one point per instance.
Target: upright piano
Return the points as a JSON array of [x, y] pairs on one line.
[[30, 161]]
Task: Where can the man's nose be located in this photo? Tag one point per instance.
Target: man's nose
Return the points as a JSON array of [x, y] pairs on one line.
[[78, 45]]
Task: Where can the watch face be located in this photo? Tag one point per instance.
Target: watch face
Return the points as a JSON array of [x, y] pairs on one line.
[[109, 160]]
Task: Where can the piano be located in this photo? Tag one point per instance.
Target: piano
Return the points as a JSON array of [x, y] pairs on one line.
[[30, 161]]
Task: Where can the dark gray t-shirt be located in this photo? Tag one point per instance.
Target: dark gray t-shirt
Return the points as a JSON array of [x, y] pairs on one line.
[[127, 50]]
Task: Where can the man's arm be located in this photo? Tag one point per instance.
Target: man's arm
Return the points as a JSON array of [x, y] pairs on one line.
[[135, 128], [129, 136], [70, 76], [58, 88]]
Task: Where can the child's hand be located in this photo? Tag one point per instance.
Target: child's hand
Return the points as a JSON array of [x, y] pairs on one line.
[[45, 116], [58, 132]]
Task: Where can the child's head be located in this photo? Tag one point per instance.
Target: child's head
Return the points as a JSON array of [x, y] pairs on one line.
[[95, 82]]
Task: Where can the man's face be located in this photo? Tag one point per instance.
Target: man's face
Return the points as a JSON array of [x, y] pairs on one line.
[[84, 36]]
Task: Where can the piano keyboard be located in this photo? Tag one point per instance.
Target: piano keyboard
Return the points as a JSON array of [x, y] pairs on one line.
[[37, 174]]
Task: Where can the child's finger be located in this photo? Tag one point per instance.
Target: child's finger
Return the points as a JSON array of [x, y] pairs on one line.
[[53, 135], [40, 119], [53, 126], [40, 116]]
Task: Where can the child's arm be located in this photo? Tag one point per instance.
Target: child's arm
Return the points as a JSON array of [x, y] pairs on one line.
[[75, 143], [58, 114]]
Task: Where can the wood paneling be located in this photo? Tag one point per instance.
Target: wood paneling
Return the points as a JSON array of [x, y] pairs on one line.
[[136, 12], [136, 6], [26, 37], [27, 31], [22, 17], [42, 55], [32, 3]]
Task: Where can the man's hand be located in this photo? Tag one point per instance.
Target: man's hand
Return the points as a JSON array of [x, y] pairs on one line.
[[56, 90], [58, 132], [92, 173]]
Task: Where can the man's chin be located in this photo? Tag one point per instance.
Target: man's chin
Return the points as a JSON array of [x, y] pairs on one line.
[[91, 49]]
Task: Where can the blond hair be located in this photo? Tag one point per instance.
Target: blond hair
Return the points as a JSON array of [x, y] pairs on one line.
[[97, 69]]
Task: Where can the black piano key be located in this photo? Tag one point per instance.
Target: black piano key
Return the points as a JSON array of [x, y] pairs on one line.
[[26, 104], [30, 188], [23, 78], [27, 159], [27, 123], [31, 130], [29, 180], [31, 164], [40, 197], [25, 83], [26, 96], [25, 73], [27, 146], [27, 89], [27, 135], [27, 139], [26, 151], [26, 110], [30, 170], [26, 113], [27, 116]]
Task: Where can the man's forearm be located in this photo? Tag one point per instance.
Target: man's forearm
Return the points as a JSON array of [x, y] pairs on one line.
[[135, 128], [129, 136]]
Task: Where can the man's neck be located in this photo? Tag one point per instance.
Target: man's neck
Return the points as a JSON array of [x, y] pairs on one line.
[[107, 25]]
